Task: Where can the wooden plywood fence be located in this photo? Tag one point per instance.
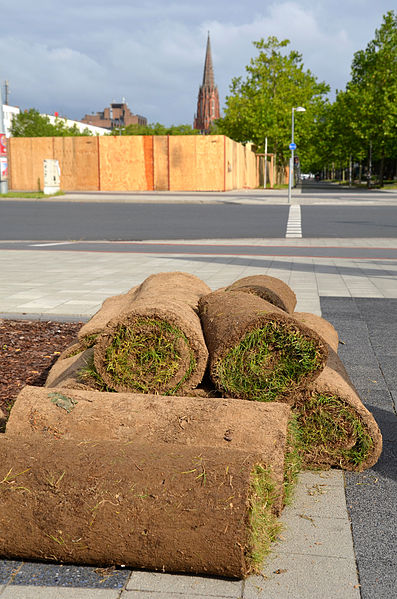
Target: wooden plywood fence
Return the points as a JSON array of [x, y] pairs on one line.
[[135, 163]]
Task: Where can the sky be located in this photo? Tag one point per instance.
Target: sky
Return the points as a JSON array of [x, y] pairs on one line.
[[76, 56]]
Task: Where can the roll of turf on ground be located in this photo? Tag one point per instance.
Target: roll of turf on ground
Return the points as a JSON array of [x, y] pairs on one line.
[[92, 416], [322, 327], [272, 290], [256, 350], [75, 372], [191, 509], [157, 346], [335, 428], [110, 308]]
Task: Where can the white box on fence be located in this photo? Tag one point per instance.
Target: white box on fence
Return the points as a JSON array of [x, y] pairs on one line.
[[52, 176]]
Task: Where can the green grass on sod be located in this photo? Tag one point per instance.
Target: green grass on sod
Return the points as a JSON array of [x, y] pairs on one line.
[[146, 357], [263, 524], [268, 362], [330, 433]]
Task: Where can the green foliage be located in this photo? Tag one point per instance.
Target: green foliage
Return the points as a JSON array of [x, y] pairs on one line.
[[365, 114], [156, 129], [32, 124], [260, 105]]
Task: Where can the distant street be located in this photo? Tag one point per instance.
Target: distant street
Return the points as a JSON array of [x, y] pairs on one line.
[[228, 216]]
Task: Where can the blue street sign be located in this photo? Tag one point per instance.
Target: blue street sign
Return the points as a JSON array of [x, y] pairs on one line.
[[292, 146]]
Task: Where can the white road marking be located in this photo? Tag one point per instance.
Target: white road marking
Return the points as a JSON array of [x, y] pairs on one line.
[[42, 245], [294, 224]]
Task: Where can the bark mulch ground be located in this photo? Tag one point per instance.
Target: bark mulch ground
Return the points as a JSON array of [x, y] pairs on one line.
[[28, 349]]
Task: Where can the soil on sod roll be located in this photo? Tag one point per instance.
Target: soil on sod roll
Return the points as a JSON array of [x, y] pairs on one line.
[[335, 429], [256, 350], [92, 415], [157, 345], [198, 510], [273, 290], [321, 326], [73, 372]]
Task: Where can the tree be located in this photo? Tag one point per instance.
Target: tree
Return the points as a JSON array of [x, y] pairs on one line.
[[260, 105], [33, 124], [373, 85], [156, 129]]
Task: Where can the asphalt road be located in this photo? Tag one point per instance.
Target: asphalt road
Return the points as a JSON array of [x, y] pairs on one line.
[[131, 221]]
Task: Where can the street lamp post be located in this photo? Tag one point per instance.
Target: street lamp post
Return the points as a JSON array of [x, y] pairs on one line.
[[292, 148]]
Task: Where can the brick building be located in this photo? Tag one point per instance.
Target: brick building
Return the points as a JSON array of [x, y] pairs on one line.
[[208, 97], [117, 115]]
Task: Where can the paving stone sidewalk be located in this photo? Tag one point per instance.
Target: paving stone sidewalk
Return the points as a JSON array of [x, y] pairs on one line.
[[315, 556]]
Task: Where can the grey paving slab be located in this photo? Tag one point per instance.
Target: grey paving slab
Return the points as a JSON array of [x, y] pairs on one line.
[[29, 592], [319, 497], [309, 534], [305, 577], [184, 585]]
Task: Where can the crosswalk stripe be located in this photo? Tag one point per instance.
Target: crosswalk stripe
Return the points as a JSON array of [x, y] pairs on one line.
[[294, 224]]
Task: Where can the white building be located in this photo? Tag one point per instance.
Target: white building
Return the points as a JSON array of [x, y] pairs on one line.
[[9, 112]]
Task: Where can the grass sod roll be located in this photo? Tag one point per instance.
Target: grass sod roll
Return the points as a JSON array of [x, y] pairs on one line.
[[321, 326], [192, 509], [257, 351], [271, 289], [335, 429], [156, 348], [67, 371], [100, 416]]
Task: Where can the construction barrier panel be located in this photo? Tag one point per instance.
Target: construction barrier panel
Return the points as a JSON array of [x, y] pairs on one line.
[[135, 163]]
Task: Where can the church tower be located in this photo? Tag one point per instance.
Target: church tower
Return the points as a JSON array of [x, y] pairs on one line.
[[208, 98]]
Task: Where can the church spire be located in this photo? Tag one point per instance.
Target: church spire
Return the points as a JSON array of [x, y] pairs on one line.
[[208, 77], [208, 98]]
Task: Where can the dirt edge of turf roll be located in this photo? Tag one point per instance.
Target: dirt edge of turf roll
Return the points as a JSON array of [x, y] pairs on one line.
[[336, 429], [322, 327], [100, 416], [250, 342], [194, 510], [66, 372], [271, 289]]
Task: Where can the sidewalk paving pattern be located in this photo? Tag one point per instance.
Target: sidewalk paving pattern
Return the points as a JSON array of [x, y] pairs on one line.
[[315, 558]]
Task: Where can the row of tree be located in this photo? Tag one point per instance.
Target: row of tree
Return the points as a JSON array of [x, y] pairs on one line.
[[357, 132], [31, 123]]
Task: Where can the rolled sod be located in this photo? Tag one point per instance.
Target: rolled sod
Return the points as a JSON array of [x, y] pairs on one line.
[[92, 415], [335, 429], [157, 345], [271, 289], [191, 509], [110, 308], [256, 350], [321, 326], [75, 372]]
